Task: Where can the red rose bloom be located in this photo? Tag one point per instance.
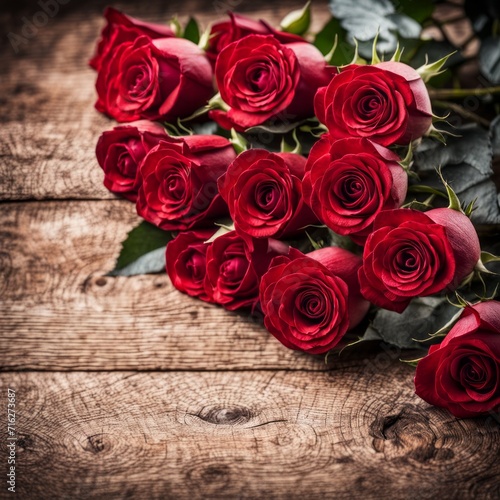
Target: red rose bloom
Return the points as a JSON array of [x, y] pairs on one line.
[[263, 191], [120, 152], [309, 302], [387, 103], [162, 79], [178, 181], [234, 271], [186, 262], [223, 33], [415, 254], [349, 181], [260, 79], [462, 373], [121, 28]]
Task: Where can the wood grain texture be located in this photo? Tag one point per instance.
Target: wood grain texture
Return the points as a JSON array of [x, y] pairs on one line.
[[60, 311], [342, 434]]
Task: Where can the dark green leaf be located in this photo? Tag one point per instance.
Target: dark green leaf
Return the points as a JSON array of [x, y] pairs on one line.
[[192, 31], [344, 52], [326, 36], [150, 263], [141, 240], [495, 136], [420, 10], [423, 317], [431, 51], [278, 128], [363, 19], [465, 163], [206, 128], [489, 59], [482, 15]]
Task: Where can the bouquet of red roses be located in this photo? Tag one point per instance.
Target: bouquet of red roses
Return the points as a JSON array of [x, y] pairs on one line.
[[306, 189]]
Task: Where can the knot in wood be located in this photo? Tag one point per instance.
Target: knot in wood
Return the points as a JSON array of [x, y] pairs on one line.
[[406, 434], [235, 415], [24, 442], [98, 443]]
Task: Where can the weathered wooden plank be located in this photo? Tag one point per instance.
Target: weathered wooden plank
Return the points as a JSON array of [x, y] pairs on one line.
[[350, 433], [60, 311], [49, 125]]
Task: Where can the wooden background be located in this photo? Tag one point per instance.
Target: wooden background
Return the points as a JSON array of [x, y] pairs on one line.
[[127, 388]]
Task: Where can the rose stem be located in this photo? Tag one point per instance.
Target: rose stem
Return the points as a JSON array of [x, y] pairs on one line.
[[462, 112]]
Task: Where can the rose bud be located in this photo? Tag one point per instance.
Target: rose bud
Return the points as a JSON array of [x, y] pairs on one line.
[[120, 151], [263, 191], [178, 181], [261, 79], [162, 79], [415, 254], [349, 181], [223, 33], [234, 271], [121, 28], [462, 373], [387, 103], [310, 301], [186, 262]]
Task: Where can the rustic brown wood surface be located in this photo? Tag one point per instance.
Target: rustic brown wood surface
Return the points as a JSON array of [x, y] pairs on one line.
[[127, 388]]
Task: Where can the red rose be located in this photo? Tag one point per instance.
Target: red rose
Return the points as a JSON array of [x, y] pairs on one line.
[[234, 271], [387, 103], [263, 191], [186, 262], [415, 254], [162, 79], [120, 152], [225, 32], [462, 373], [310, 301], [260, 79], [121, 28], [349, 181], [178, 181]]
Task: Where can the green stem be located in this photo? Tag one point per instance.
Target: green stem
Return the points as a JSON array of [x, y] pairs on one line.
[[458, 93], [464, 113]]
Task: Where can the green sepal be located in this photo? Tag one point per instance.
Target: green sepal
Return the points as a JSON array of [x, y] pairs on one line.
[[287, 148], [427, 71], [239, 142], [297, 21]]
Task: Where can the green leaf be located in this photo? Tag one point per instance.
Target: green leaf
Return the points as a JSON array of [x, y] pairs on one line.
[[297, 21], [489, 59], [495, 136], [192, 31], [141, 240], [420, 10], [274, 128], [150, 263], [363, 18], [422, 317], [465, 163], [206, 128], [325, 38]]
